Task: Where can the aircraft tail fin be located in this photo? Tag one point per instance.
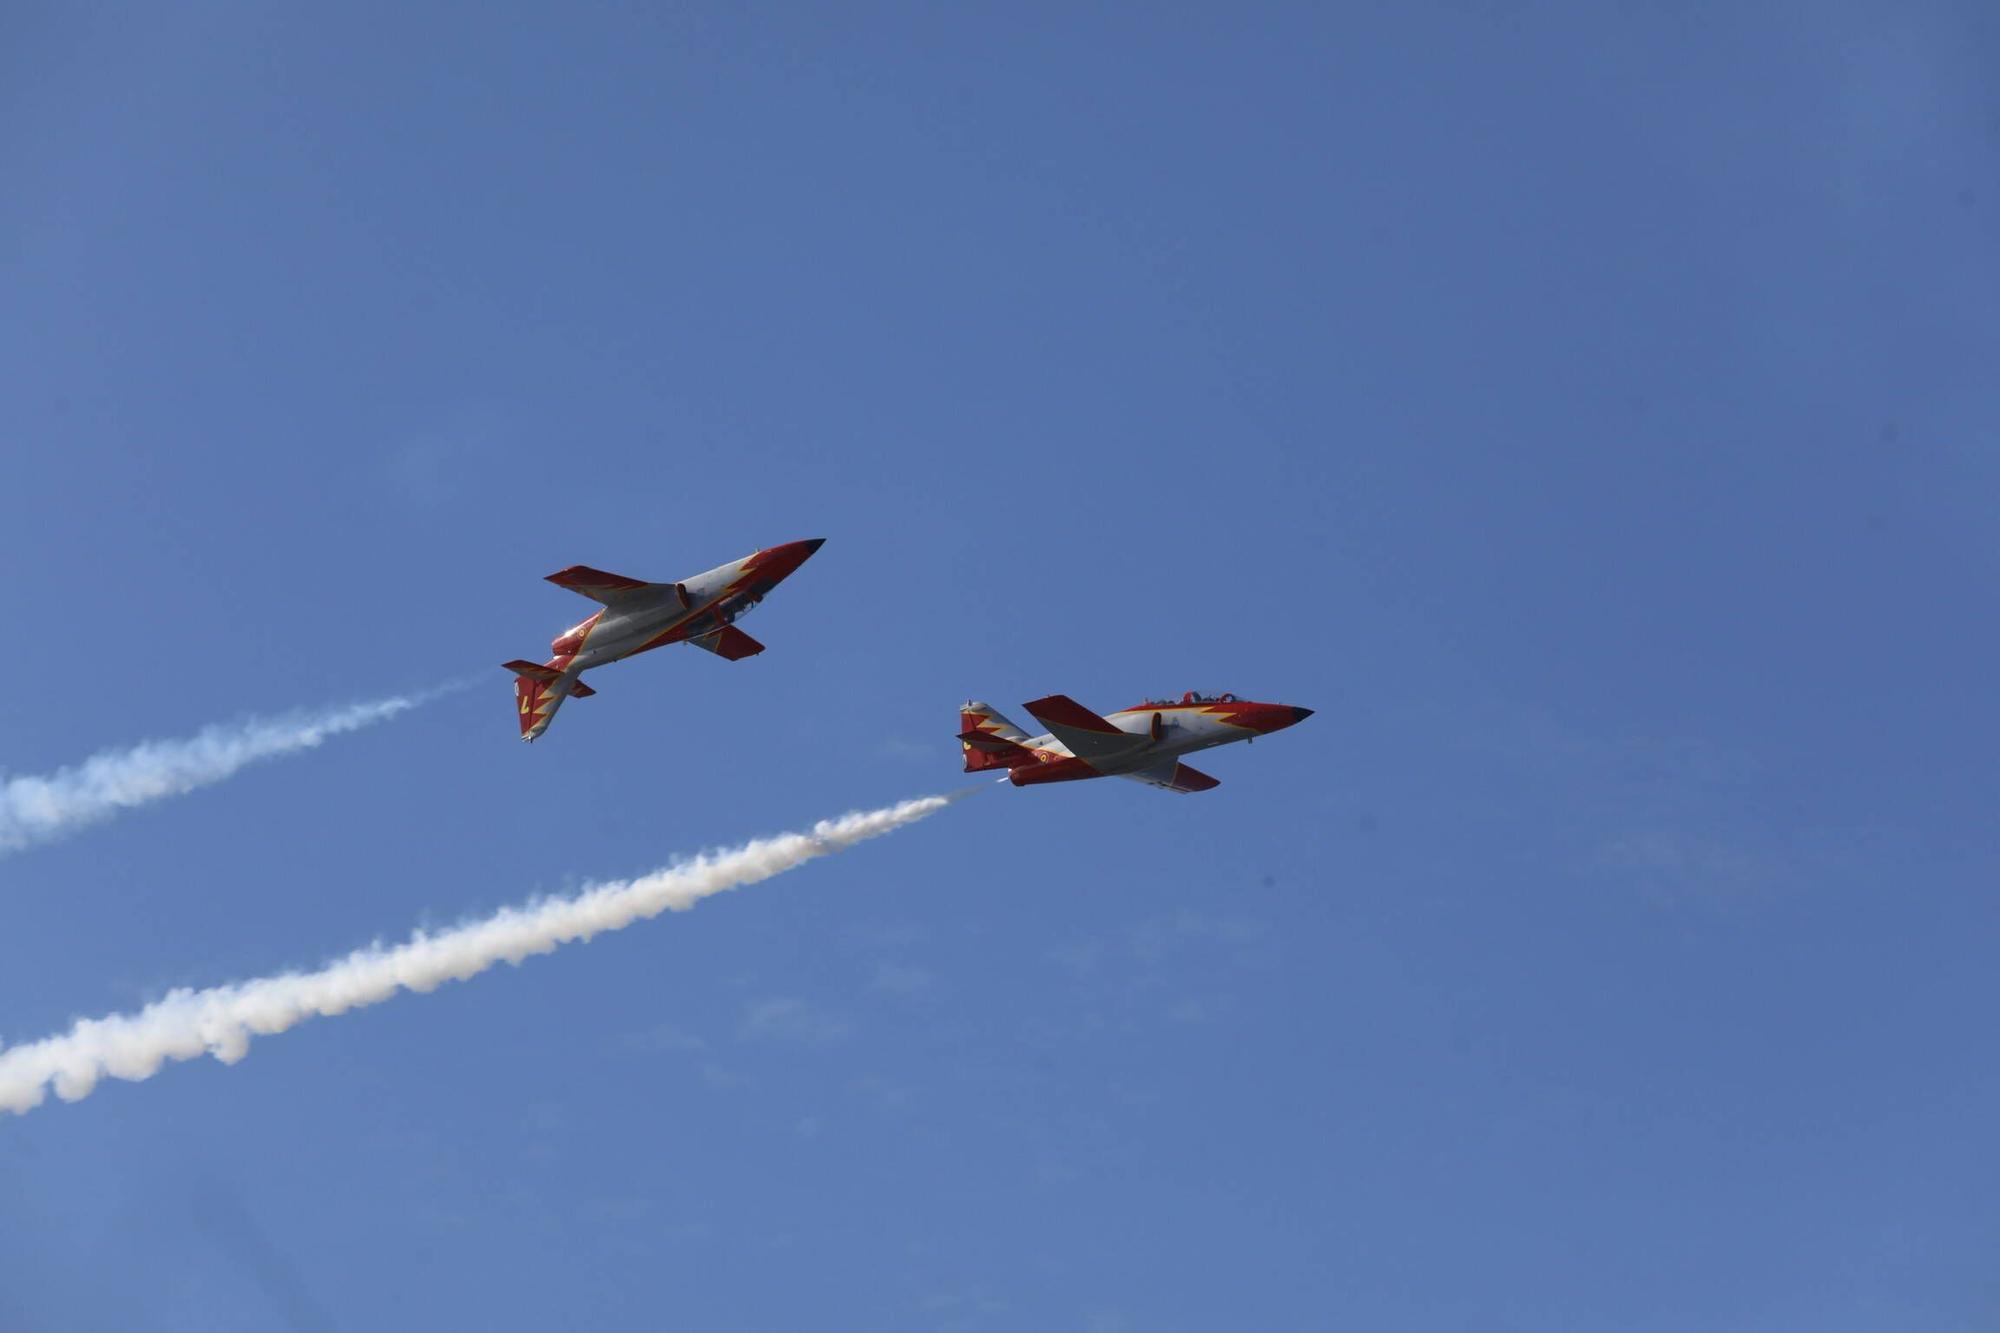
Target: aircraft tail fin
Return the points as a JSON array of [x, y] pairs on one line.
[[539, 689], [984, 717], [990, 740]]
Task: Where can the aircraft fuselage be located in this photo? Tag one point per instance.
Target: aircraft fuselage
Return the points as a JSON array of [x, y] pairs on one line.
[[638, 616], [1180, 729], [1144, 742]]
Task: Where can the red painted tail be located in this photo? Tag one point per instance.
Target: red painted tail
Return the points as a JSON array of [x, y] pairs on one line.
[[990, 740], [539, 689], [983, 752]]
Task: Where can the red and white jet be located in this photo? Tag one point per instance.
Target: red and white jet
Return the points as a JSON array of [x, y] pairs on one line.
[[637, 616], [1144, 743]]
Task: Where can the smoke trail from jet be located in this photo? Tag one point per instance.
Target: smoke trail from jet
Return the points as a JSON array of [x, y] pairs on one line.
[[221, 1020], [41, 809]]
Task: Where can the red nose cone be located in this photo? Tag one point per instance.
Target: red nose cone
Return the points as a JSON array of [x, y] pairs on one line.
[[1267, 718], [777, 562]]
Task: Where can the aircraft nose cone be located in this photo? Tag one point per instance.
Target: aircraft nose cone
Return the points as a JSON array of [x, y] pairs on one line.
[[797, 553], [1267, 718], [778, 562]]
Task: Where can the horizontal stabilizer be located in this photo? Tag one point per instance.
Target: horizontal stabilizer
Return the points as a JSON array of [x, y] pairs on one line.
[[533, 671], [1175, 777], [728, 642], [579, 690], [984, 750], [1088, 736]]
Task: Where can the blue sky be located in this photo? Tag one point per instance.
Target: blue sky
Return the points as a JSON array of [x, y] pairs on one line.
[[1588, 410]]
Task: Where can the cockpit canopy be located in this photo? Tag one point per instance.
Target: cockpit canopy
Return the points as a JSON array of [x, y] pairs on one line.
[[1191, 697]]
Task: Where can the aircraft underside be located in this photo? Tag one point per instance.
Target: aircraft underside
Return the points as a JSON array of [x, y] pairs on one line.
[[638, 617]]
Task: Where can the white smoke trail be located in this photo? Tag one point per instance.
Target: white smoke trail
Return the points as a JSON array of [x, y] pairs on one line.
[[40, 809], [222, 1019]]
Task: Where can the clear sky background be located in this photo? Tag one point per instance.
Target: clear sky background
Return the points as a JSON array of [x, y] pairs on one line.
[[1589, 410]]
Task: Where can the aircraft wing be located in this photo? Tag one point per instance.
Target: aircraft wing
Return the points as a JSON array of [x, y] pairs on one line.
[[1088, 736], [1174, 777], [728, 642], [614, 589]]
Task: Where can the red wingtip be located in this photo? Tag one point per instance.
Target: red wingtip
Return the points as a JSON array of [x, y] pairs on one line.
[[1061, 710], [1191, 779]]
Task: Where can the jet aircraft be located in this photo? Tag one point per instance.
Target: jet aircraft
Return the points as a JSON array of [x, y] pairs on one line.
[[1144, 742], [702, 610]]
